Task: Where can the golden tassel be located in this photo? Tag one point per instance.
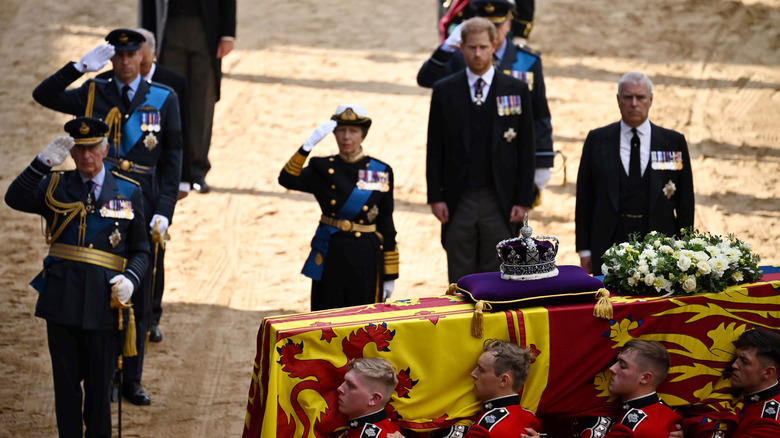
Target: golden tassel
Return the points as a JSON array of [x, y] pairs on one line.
[[603, 308], [130, 337], [90, 99], [477, 329], [114, 122], [451, 289]]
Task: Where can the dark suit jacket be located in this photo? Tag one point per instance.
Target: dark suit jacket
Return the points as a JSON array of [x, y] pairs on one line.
[[597, 207], [160, 193], [77, 293], [218, 18], [165, 76], [449, 137], [443, 63]]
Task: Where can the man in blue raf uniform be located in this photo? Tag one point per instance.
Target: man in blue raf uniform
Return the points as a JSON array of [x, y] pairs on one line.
[[514, 60], [354, 258], [97, 232], [146, 145]]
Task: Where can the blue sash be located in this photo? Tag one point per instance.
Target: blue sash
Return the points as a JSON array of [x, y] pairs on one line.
[[320, 243], [131, 131]]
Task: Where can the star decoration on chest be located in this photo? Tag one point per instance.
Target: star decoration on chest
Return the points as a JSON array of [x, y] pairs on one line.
[[150, 141]]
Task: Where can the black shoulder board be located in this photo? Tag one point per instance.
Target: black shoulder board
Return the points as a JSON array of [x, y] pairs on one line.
[[770, 409], [119, 175], [370, 431], [491, 418], [632, 418]]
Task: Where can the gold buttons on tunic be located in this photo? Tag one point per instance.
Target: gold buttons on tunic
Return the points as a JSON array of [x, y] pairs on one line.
[[331, 171], [360, 221], [333, 186], [358, 234], [332, 202], [365, 208]]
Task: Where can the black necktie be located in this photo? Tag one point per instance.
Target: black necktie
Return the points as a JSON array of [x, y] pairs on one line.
[[634, 172], [478, 90], [126, 96], [90, 196]]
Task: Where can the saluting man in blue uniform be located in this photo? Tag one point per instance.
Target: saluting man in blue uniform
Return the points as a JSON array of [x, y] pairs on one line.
[[98, 237], [354, 257], [145, 144]]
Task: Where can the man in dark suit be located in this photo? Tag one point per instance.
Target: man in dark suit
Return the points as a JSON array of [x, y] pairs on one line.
[[634, 177], [145, 145], [480, 157], [515, 60], [98, 237], [151, 71], [193, 38]]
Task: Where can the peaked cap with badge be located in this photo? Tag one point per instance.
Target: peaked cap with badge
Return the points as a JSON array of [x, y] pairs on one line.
[[86, 131], [125, 40], [349, 114]]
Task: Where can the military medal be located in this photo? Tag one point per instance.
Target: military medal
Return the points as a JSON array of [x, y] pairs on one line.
[[525, 76], [509, 105], [666, 160], [118, 208], [373, 180], [150, 141], [115, 237], [510, 134]]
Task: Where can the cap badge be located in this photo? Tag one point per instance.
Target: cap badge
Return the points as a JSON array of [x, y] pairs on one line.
[[489, 8], [348, 114], [123, 38], [84, 129]]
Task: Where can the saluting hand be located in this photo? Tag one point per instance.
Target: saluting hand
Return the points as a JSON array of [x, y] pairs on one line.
[[56, 151], [318, 134], [95, 59]]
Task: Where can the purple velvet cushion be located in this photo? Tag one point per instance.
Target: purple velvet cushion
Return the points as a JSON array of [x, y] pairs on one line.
[[571, 285]]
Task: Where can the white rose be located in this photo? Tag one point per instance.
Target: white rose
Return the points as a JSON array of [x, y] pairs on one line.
[[684, 262], [701, 255], [689, 285], [631, 281], [666, 248], [718, 266], [650, 279], [605, 269], [704, 267]]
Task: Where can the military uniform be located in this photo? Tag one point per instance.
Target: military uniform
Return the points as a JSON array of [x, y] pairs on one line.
[[354, 249], [375, 425], [503, 417], [149, 151], [645, 417], [759, 417], [75, 293]]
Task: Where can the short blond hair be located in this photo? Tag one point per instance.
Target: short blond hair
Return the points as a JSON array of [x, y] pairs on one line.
[[377, 370]]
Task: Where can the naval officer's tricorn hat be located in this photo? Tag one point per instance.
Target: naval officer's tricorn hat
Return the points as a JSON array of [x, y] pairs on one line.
[[86, 131], [125, 40], [349, 114]]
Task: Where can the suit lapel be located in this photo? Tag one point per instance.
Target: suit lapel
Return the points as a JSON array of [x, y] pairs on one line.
[[654, 181], [613, 165]]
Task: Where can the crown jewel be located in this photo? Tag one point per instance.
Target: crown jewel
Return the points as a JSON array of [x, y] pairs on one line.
[[526, 257]]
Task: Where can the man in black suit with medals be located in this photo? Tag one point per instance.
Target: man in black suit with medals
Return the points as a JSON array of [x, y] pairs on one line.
[[516, 60], [145, 145], [99, 241], [634, 177], [152, 71], [480, 156]]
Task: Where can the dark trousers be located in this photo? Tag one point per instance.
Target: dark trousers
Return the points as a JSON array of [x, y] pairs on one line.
[[82, 355], [159, 286], [351, 273], [185, 50], [471, 235]]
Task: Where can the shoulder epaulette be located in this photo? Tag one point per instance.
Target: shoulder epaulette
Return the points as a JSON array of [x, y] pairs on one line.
[[530, 51], [493, 417], [101, 81], [119, 175], [159, 85]]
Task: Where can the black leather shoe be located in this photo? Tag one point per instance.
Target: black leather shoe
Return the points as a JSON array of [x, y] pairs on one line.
[[200, 186], [155, 335], [135, 393]]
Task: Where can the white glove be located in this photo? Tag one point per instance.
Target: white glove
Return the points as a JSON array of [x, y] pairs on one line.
[[95, 59], [124, 288], [318, 134], [453, 41], [542, 177], [162, 227], [388, 287], [56, 151]]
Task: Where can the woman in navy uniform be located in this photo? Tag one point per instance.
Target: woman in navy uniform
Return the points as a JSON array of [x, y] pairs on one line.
[[97, 232], [354, 258]]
